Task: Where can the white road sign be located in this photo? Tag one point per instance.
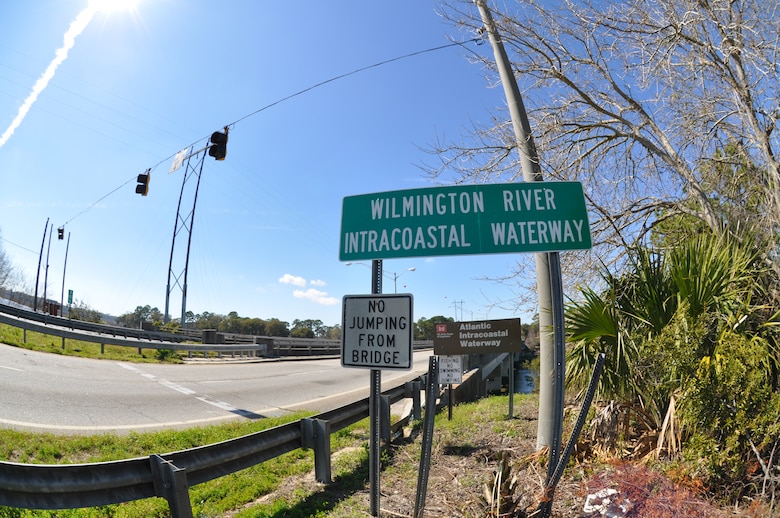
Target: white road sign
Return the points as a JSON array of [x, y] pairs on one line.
[[376, 331], [450, 370]]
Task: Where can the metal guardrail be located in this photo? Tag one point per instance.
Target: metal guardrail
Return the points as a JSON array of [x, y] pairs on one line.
[[169, 475], [92, 327], [103, 339], [225, 343]]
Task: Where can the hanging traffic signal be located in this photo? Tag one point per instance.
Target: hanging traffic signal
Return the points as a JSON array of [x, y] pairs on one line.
[[143, 183], [218, 147], [61, 233]]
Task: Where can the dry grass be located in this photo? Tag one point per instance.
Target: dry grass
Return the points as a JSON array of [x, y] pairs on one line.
[[466, 454]]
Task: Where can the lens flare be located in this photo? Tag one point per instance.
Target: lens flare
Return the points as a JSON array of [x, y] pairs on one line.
[[113, 5]]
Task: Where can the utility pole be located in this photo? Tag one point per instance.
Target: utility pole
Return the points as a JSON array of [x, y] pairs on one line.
[[455, 304], [551, 341], [64, 268], [38, 273], [46, 275]]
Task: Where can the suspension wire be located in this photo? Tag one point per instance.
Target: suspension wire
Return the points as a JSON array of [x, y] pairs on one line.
[[84, 211], [462, 43], [342, 76]]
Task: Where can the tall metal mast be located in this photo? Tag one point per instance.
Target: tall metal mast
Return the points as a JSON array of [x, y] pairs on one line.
[[177, 275], [217, 148]]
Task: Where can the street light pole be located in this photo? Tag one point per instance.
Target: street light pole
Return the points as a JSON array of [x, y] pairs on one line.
[[395, 278], [394, 275]]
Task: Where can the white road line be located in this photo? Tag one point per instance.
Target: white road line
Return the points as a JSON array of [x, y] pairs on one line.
[[129, 427], [178, 388], [11, 368], [218, 404]]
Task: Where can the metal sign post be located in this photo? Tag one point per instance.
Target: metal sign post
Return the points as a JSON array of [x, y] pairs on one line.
[[376, 334], [431, 385], [375, 407]]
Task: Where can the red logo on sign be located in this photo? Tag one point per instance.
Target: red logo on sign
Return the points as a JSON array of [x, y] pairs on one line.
[[441, 328]]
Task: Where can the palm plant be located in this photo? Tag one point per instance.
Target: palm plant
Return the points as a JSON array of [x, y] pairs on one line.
[[633, 309], [662, 325]]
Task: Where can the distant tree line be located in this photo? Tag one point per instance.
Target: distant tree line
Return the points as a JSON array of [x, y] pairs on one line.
[[424, 328], [230, 323]]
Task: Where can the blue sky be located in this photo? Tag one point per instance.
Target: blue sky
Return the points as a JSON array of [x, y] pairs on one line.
[[138, 85]]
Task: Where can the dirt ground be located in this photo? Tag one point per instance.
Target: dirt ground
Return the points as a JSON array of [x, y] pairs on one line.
[[463, 466], [466, 457]]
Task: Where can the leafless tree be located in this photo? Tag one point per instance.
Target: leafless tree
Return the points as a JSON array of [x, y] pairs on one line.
[[6, 268], [635, 99]]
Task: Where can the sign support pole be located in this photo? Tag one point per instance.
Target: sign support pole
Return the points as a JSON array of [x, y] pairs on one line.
[[374, 453], [449, 401], [511, 385], [550, 415]]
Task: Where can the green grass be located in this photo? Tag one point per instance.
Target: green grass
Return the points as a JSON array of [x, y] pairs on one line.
[[212, 498], [53, 344], [239, 492]]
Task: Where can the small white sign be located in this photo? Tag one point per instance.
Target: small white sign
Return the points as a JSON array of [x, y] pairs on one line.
[[376, 332], [450, 369], [178, 160]]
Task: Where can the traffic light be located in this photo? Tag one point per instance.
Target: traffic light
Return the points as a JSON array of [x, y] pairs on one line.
[[143, 183], [218, 147], [61, 233]]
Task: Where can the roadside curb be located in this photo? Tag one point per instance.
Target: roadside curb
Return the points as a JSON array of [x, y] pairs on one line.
[[215, 361]]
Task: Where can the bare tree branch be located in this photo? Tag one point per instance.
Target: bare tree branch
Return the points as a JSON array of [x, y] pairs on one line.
[[635, 100]]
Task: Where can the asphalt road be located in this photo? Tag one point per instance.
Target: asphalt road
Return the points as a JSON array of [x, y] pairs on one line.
[[61, 394]]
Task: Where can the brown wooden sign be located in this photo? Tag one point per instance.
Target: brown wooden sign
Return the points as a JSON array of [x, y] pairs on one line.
[[478, 337]]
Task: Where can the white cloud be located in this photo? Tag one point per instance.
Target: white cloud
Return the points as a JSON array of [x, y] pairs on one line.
[[317, 282], [317, 296], [292, 279]]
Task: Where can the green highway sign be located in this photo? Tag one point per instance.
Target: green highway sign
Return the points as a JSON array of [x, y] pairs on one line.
[[465, 220]]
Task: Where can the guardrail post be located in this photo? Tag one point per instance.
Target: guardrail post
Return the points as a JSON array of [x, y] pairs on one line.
[[170, 483], [315, 433], [384, 419], [412, 390]]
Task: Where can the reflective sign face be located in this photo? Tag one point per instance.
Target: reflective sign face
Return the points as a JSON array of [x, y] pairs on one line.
[[376, 332], [465, 219]]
